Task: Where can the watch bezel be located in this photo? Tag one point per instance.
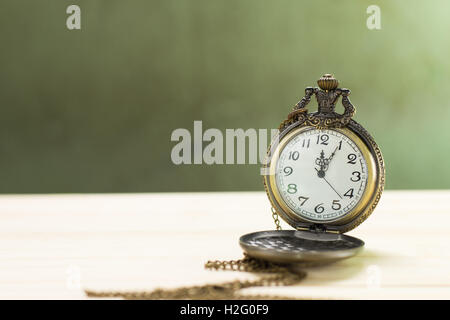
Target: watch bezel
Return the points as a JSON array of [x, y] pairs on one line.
[[369, 199]]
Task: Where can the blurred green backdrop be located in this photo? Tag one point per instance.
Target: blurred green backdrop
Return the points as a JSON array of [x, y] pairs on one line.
[[93, 110]]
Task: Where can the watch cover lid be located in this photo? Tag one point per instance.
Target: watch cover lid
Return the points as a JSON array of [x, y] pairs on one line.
[[292, 246]]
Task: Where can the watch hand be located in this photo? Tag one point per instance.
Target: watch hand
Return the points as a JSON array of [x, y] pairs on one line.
[[332, 155], [320, 161], [323, 163], [323, 177], [332, 187], [320, 173]]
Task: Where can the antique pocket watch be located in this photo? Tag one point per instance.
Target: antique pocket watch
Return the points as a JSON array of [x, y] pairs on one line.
[[324, 175]]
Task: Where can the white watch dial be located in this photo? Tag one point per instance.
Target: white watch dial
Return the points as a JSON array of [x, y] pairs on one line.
[[321, 174]]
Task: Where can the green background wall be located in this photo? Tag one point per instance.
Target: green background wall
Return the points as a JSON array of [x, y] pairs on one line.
[[93, 110]]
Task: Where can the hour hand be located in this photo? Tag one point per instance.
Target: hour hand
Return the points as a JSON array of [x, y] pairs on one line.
[[322, 162]]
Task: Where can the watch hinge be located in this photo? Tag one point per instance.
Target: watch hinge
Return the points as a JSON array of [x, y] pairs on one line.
[[317, 228]]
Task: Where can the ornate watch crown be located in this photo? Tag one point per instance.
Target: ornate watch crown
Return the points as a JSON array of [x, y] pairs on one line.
[[328, 82], [326, 95]]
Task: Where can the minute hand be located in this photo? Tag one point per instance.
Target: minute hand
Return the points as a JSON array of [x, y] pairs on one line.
[[332, 155]]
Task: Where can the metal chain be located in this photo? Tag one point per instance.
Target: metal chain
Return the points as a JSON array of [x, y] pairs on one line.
[[283, 276], [276, 219], [226, 290]]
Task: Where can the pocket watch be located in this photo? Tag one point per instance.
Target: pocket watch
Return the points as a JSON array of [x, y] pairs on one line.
[[324, 175]]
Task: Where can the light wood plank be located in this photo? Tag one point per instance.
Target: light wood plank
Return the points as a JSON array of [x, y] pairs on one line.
[[144, 241]]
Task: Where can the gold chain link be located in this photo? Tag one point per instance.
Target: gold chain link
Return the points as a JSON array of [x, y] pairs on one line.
[[226, 290], [283, 276], [275, 218]]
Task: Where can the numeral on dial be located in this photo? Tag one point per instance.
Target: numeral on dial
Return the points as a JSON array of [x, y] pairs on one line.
[[351, 158], [336, 205], [306, 143], [288, 171], [302, 200], [356, 175], [292, 188], [293, 155], [319, 208], [349, 193], [323, 139]]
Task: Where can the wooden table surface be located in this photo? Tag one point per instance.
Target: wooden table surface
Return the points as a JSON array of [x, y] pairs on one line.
[[54, 246]]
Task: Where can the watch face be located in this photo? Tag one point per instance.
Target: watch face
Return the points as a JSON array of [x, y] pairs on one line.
[[321, 174]]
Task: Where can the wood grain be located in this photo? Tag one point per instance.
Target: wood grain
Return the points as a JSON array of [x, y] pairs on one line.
[[53, 246]]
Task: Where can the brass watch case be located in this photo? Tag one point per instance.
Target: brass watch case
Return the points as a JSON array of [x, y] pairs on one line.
[[299, 120]]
